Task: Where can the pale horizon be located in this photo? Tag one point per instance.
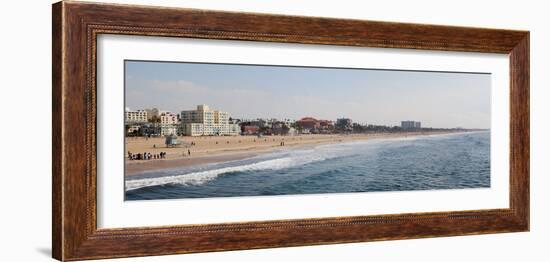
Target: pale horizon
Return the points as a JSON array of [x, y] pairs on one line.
[[367, 96]]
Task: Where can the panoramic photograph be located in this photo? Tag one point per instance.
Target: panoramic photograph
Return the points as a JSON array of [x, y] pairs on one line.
[[205, 130]]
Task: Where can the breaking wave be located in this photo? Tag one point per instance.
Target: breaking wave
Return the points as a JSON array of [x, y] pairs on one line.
[[279, 161]]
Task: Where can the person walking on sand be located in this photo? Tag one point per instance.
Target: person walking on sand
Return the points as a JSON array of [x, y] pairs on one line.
[[189, 152]]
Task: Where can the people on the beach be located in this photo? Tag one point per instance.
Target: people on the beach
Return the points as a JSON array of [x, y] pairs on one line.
[[146, 156]]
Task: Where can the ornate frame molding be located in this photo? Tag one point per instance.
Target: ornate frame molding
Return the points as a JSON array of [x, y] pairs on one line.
[[76, 26]]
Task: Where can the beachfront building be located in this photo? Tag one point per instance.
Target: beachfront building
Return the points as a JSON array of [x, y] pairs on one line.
[[280, 128], [207, 122], [168, 129], [326, 126], [250, 129], [135, 116], [168, 118], [308, 123], [408, 125], [312, 125], [132, 129], [288, 121], [152, 114], [155, 130], [149, 129]]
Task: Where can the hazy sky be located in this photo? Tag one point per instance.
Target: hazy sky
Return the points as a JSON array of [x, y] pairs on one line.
[[366, 96]]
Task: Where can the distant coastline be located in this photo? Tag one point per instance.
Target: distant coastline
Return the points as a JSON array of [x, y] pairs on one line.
[[216, 149]]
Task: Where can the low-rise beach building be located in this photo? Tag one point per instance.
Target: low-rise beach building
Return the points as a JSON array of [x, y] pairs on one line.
[[280, 128], [168, 129], [308, 123], [157, 129], [312, 125], [149, 129], [250, 130], [132, 129]]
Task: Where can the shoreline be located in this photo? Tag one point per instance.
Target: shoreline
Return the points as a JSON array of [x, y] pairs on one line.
[[212, 150]]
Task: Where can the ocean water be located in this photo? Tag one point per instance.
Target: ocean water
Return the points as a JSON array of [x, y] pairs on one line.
[[449, 161]]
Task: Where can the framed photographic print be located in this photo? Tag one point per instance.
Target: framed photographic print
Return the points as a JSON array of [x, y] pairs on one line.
[[182, 130]]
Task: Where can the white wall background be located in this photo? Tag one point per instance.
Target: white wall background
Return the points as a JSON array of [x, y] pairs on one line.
[[25, 82]]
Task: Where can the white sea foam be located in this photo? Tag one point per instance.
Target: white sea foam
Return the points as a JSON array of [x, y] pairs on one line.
[[296, 158]]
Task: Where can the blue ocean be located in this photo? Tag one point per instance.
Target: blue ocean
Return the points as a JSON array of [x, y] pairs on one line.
[[447, 161]]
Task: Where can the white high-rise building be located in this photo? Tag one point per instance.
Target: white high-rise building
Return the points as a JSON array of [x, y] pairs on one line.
[[207, 122]]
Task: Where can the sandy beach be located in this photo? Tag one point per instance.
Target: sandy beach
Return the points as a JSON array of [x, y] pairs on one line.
[[213, 149]]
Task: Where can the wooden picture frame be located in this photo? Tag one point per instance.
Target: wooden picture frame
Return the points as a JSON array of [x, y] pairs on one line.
[[76, 26]]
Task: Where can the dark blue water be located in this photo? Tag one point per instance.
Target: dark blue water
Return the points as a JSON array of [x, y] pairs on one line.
[[453, 161]]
